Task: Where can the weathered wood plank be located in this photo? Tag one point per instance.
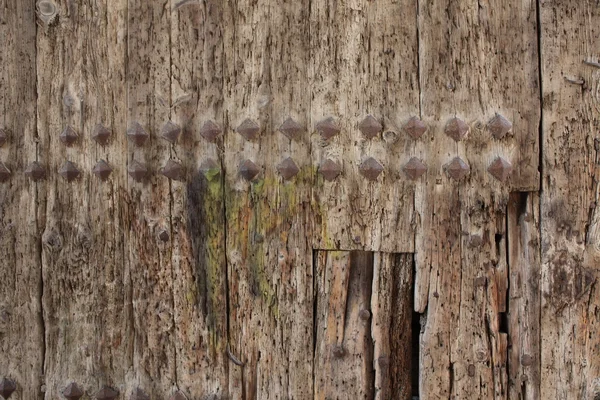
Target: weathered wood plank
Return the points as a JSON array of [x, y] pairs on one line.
[[570, 367], [363, 62], [197, 213], [21, 206]]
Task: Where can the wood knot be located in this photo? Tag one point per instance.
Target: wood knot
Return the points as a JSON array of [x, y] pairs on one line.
[[47, 11]]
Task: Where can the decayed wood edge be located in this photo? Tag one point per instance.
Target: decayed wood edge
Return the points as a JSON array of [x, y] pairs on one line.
[[22, 205], [524, 329], [198, 212]]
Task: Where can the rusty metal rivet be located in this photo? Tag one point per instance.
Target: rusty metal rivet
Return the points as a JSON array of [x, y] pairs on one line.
[[7, 387], [3, 136], [288, 168], [35, 171], [210, 130], [327, 128], [101, 134], [457, 129], [500, 169], [173, 170], [137, 134], [210, 168], [291, 128], [137, 171], [526, 360], [4, 172], [69, 171], [106, 393], [248, 129], [68, 136], [163, 235], [414, 168], [371, 169], [364, 314], [72, 391], [248, 170], [102, 170], [170, 132], [370, 127], [475, 241], [471, 369], [330, 169], [457, 169], [415, 127], [177, 396], [383, 361], [139, 394], [480, 281], [499, 126], [338, 351]]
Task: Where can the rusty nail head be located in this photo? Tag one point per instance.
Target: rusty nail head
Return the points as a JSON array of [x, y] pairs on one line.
[[173, 170], [371, 169], [35, 171], [330, 169], [370, 127], [338, 351], [171, 132], [137, 134], [457, 129], [210, 130], [415, 127], [414, 168], [248, 170], [106, 393], [139, 394], [102, 170], [364, 314], [101, 134], [72, 391], [137, 171], [291, 128], [68, 136], [7, 387], [500, 169], [471, 369], [328, 128], [288, 168], [248, 129], [499, 126], [457, 169], [163, 235], [69, 171]]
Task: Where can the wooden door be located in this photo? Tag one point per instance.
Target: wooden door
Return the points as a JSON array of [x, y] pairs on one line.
[[299, 199]]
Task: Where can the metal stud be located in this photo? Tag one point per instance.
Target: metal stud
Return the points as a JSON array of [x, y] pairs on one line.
[[101, 134], [68, 136], [457, 169], [330, 169], [137, 171], [370, 169], [69, 171], [414, 168], [328, 128], [499, 126], [248, 129], [288, 168], [177, 396], [291, 128], [338, 351], [163, 235], [457, 129], [210, 168], [171, 132], [102, 170], [173, 170], [415, 127], [107, 393], [139, 394], [35, 171], [210, 130], [3, 136], [4, 172], [248, 170], [500, 169], [137, 134], [7, 387], [370, 127], [72, 392]]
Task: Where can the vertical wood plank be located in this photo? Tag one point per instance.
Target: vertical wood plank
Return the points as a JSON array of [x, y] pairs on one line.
[[197, 214], [21, 212], [570, 368]]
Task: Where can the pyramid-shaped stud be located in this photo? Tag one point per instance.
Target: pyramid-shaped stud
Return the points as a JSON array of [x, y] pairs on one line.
[[137, 171], [414, 168], [163, 235], [101, 134], [4, 172], [68, 136], [7, 387], [327, 128], [415, 127], [288, 168], [248, 170], [72, 392], [330, 169], [457, 169], [3, 136], [370, 169], [139, 394], [500, 169], [173, 170], [177, 396], [457, 129], [291, 128], [248, 129], [370, 127], [210, 169], [69, 171], [106, 393], [137, 134], [170, 132], [102, 170], [210, 130], [499, 126], [35, 171]]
